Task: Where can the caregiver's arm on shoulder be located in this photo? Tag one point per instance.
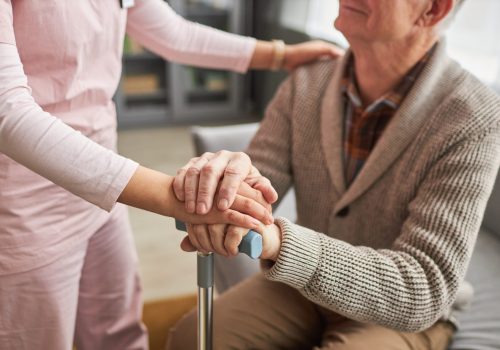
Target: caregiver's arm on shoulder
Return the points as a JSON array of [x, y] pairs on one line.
[[154, 24]]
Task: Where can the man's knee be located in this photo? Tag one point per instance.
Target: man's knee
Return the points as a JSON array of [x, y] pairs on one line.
[[184, 334]]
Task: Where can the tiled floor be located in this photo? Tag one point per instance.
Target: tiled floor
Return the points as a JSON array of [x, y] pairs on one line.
[[166, 270]]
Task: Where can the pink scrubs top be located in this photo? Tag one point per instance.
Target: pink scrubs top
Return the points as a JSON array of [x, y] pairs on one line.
[[60, 64]]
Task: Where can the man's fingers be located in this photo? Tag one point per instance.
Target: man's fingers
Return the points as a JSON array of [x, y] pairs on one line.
[[217, 235], [236, 171], [259, 182], [236, 218], [211, 173], [247, 191], [192, 236], [203, 237], [256, 210], [191, 181], [234, 235], [266, 188]]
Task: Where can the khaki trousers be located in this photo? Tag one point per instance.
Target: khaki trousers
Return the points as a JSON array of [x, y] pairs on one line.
[[265, 315]]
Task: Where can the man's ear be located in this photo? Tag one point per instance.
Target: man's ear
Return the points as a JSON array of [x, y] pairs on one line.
[[436, 11]]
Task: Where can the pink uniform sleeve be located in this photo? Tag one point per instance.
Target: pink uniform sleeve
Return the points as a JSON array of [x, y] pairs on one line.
[[156, 26], [46, 145], [6, 32]]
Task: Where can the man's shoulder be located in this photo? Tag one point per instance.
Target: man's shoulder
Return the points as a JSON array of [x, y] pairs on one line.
[[314, 76], [471, 102]]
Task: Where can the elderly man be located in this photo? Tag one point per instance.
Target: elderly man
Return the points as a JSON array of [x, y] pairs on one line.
[[393, 152]]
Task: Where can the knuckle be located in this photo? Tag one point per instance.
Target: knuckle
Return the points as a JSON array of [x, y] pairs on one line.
[[232, 170], [221, 153], [225, 192], [203, 192], [232, 216], [199, 230], [247, 205], [193, 171], [208, 170], [243, 156]]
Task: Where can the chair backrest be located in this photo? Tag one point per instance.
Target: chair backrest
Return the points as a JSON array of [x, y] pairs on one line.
[[491, 219], [231, 138]]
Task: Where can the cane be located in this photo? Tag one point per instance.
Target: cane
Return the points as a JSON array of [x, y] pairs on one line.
[[251, 245]]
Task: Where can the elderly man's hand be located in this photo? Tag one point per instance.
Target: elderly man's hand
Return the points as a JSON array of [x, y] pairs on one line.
[[197, 182], [225, 239]]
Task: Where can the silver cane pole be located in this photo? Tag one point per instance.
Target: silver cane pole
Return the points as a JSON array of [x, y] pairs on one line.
[[205, 267], [251, 245]]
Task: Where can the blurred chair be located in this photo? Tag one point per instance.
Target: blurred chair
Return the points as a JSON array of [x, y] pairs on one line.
[[161, 315], [479, 325]]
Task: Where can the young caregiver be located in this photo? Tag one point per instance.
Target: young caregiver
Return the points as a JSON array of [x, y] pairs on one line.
[[68, 268]]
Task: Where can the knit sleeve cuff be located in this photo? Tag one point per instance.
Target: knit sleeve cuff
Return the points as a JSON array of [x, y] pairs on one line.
[[298, 258]]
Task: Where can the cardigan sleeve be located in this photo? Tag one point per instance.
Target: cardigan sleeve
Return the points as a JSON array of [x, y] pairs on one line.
[[47, 146], [411, 285], [155, 25]]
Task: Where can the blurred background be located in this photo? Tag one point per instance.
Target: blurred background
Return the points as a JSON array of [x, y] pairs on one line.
[[159, 101]]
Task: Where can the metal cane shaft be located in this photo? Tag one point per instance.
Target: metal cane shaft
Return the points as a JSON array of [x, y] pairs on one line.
[[251, 245], [205, 266]]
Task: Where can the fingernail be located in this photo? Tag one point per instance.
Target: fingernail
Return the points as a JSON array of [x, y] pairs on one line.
[[223, 204], [190, 207], [201, 208]]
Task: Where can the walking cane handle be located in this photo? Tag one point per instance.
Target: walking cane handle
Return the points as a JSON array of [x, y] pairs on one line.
[[251, 244]]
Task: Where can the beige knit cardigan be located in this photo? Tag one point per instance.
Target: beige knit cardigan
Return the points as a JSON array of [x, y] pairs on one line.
[[393, 248]]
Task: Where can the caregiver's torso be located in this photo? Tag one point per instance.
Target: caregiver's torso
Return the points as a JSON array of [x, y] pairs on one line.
[[71, 53]]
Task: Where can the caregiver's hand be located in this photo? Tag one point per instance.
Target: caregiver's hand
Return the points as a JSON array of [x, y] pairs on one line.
[[153, 191], [197, 182], [299, 54], [225, 239]]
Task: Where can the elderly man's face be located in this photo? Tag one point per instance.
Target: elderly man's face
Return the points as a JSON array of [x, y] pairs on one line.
[[379, 20]]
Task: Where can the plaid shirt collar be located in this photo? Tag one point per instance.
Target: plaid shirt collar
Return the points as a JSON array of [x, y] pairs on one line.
[[392, 99]]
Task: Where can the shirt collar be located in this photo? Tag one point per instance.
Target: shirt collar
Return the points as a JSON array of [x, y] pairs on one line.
[[392, 99]]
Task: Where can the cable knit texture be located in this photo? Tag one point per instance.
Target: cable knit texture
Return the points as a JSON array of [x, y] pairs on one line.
[[393, 247]]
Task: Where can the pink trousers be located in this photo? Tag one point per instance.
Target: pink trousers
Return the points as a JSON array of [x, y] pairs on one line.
[[91, 297]]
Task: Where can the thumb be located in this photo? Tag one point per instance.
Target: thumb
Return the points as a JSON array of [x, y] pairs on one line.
[[186, 245]]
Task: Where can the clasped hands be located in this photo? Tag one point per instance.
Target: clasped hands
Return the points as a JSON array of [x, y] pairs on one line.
[[227, 182]]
